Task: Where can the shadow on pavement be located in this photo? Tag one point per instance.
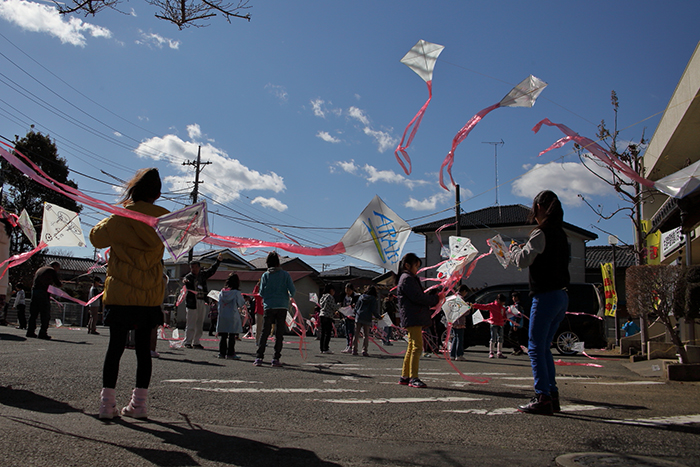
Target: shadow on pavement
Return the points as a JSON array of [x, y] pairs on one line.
[[27, 400], [216, 447]]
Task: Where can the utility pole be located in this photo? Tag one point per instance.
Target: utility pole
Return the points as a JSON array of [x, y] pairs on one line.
[[199, 166], [458, 212], [495, 158]]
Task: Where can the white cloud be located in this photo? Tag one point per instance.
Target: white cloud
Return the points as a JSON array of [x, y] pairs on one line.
[[567, 180], [348, 167], [272, 203], [383, 139], [430, 203], [374, 175], [359, 115], [43, 18], [194, 131], [280, 92], [327, 137], [317, 106], [224, 179], [154, 40]]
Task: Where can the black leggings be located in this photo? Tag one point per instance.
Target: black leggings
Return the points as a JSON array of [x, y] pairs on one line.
[[230, 348], [117, 340], [326, 332]]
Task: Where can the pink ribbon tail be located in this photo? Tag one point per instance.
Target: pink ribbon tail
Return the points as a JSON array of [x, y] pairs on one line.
[[459, 137], [401, 148]]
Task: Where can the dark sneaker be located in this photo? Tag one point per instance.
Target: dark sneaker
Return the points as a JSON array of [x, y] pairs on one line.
[[219, 356], [417, 383], [233, 357], [46, 337], [500, 355], [404, 380], [188, 346], [198, 346], [276, 363], [31, 334], [258, 362], [538, 405], [556, 408]]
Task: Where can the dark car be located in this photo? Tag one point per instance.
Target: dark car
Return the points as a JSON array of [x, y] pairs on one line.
[[581, 324]]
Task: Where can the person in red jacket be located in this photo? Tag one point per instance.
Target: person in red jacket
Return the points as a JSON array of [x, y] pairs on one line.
[[497, 309]]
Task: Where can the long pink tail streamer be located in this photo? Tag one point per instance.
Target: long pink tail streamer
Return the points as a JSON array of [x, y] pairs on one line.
[[459, 137], [16, 260], [595, 149], [60, 293], [31, 170], [446, 354], [401, 148], [562, 363]]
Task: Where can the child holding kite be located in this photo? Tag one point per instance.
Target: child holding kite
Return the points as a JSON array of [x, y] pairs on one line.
[[134, 289], [328, 310], [497, 309], [414, 307], [546, 254], [367, 307], [229, 324], [349, 300]]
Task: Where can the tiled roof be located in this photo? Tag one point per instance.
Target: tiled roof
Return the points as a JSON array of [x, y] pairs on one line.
[[597, 255], [348, 272], [494, 217], [68, 263]]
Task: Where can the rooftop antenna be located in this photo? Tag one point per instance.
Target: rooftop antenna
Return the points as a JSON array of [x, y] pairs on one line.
[[495, 160]]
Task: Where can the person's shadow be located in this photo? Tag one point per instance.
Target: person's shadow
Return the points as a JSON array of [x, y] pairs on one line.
[[27, 400], [216, 447]]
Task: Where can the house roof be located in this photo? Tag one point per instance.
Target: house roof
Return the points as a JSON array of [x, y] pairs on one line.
[[260, 263], [348, 272], [597, 255], [68, 263], [493, 217], [231, 259], [254, 276]]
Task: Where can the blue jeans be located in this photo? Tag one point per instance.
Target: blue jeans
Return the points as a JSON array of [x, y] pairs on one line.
[[547, 312], [457, 343]]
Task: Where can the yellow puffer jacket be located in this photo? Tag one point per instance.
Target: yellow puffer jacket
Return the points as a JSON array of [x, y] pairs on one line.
[[135, 268]]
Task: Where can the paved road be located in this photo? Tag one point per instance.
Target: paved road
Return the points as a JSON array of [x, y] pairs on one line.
[[327, 409]]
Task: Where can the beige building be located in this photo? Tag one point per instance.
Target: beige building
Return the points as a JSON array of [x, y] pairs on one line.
[[673, 224]]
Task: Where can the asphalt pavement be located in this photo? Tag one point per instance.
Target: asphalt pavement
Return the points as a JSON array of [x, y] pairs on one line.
[[333, 409]]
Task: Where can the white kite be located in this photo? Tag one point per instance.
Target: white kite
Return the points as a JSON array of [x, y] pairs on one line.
[[421, 59], [377, 236], [454, 307], [523, 95], [27, 227], [500, 251], [181, 230], [313, 298], [461, 253], [61, 227]]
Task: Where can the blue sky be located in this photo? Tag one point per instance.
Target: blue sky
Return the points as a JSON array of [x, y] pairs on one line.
[[300, 109]]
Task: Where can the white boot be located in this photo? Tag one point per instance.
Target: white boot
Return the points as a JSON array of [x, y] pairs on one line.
[[108, 404], [137, 406]]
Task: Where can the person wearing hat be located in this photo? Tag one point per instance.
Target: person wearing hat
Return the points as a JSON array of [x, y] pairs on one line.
[[95, 306]]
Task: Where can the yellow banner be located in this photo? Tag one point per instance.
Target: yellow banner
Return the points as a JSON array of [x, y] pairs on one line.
[[652, 244], [609, 288]]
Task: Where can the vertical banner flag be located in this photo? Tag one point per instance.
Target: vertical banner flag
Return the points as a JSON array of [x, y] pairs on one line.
[[377, 236], [609, 287], [61, 227]]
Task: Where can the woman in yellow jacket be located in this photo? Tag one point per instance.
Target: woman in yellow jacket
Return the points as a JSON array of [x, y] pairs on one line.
[[134, 289]]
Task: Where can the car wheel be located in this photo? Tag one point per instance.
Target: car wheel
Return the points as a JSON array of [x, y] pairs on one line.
[[565, 342]]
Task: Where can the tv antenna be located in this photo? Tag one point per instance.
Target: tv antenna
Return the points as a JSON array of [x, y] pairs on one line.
[[495, 160]]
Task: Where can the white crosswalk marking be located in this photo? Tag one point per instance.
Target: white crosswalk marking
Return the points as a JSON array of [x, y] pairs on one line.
[[400, 400]]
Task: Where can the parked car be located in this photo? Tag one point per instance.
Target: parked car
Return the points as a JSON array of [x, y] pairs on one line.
[[583, 322]]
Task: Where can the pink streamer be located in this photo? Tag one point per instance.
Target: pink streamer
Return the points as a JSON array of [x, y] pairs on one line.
[[16, 260], [401, 148], [594, 148], [561, 363], [60, 293], [459, 137]]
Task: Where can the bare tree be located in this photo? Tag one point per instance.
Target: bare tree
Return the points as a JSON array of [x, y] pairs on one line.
[[184, 13], [666, 291]]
